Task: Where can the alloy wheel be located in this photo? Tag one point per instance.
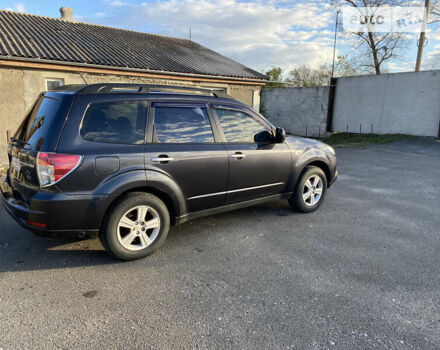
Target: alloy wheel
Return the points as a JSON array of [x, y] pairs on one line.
[[312, 191], [138, 228]]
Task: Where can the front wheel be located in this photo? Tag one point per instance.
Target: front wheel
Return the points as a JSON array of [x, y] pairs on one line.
[[135, 226], [310, 190]]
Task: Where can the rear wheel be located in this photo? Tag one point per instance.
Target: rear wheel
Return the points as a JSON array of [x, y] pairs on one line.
[[135, 226], [310, 190]]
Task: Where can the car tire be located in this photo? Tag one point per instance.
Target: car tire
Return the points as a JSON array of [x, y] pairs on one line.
[[310, 190], [135, 226]]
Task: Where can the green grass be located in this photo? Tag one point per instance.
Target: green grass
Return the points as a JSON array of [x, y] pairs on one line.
[[360, 140]]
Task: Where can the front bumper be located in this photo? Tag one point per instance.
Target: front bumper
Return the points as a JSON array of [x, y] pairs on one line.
[[64, 216], [332, 181]]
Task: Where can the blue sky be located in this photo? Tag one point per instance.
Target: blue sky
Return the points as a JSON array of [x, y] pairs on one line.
[[259, 34]]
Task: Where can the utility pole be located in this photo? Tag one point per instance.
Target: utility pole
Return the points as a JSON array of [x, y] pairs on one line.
[[422, 39], [334, 44]]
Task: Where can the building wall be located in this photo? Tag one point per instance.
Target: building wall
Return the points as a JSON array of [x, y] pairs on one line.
[[300, 111], [19, 89], [402, 103], [245, 95]]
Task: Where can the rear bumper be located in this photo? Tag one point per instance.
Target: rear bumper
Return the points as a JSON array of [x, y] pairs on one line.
[[63, 216], [21, 215]]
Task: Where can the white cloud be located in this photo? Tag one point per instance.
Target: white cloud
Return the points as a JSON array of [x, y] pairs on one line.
[[19, 7], [117, 3], [401, 66], [259, 34], [432, 60], [435, 35]]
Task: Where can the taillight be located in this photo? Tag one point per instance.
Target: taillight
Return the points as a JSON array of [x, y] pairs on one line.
[[34, 223], [52, 167]]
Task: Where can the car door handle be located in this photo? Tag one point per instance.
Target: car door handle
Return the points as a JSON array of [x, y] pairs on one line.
[[162, 159], [237, 155]]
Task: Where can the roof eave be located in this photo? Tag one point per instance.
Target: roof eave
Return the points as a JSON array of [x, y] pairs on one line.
[[56, 65]]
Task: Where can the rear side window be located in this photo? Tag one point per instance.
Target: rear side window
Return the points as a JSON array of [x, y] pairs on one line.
[[38, 123], [238, 126], [115, 122], [182, 125]]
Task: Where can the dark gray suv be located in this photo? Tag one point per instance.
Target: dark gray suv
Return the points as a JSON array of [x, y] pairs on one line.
[[125, 161]]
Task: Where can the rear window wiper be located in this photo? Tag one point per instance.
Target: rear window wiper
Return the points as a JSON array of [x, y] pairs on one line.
[[14, 139]]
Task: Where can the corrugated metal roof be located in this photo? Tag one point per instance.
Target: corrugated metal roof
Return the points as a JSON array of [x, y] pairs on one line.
[[36, 37]]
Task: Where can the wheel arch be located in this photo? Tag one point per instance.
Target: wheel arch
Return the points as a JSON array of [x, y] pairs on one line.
[[171, 204], [322, 165], [314, 160]]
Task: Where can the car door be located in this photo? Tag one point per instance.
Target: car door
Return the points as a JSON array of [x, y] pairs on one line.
[[255, 169], [182, 144]]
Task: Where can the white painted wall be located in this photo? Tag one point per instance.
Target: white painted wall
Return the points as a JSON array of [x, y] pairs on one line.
[[401, 103]]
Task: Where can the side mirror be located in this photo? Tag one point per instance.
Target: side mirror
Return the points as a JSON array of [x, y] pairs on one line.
[[280, 135], [264, 137]]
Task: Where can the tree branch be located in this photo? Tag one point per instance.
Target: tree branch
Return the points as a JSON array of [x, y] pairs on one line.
[[375, 48]]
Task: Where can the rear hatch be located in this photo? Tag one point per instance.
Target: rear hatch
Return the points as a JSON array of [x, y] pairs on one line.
[[39, 132]]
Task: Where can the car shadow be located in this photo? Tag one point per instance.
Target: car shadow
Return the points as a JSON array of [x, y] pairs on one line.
[[21, 250], [27, 252]]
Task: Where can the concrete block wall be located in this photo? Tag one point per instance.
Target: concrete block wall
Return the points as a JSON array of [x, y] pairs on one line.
[[398, 103], [300, 111]]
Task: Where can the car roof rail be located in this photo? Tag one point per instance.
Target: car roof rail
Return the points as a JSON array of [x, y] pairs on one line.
[[149, 88]]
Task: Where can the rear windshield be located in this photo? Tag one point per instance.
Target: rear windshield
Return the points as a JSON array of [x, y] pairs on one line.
[[39, 122]]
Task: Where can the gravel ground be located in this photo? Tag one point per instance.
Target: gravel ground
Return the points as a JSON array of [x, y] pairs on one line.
[[361, 273]]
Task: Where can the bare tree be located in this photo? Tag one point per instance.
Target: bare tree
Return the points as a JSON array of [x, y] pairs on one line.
[[434, 12], [373, 49], [306, 76]]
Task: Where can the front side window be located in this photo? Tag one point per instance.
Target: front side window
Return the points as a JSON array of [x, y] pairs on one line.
[[238, 126], [115, 122], [182, 125]]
